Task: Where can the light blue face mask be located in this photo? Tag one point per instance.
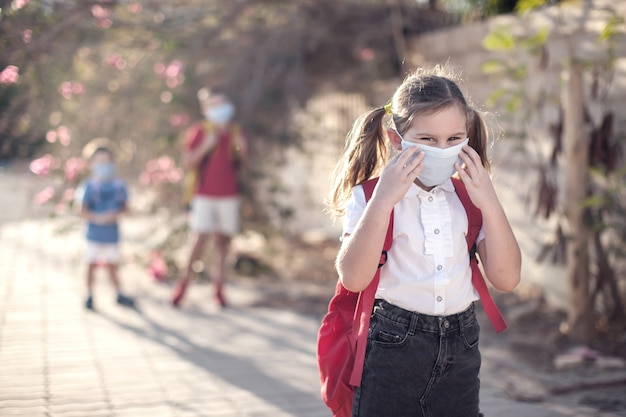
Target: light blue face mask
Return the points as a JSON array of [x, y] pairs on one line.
[[220, 114], [104, 170], [438, 162]]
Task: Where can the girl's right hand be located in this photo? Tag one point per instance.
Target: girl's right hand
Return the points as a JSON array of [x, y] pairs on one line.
[[399, 174]]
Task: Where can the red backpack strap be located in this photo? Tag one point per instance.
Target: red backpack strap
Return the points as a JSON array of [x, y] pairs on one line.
[[475, 222], [365, 304]]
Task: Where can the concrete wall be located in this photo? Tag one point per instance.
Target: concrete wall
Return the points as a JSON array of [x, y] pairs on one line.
[[328, 117]]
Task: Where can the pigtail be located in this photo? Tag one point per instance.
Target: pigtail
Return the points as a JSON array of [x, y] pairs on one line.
[[363, 157], [478, 134]]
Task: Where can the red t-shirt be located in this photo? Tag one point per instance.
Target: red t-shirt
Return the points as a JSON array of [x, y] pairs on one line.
[[218, 171]]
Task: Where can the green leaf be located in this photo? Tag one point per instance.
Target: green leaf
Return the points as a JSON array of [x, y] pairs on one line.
[[519, 73], [525, 6], [593, 201], [534, 42], [493, 66], [611, 28], [500, 40], [514, 103], [496, 96]]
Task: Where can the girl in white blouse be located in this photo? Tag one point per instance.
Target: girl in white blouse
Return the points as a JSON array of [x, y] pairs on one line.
[[422, 355]]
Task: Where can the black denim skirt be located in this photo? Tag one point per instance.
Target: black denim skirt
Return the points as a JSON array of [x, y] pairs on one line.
[[418, 365]]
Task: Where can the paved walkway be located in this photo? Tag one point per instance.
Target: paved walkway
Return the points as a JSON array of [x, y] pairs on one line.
[[57, 359]]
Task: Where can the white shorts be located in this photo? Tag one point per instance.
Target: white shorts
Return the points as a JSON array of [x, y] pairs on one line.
[[107, 253], [215, 215]]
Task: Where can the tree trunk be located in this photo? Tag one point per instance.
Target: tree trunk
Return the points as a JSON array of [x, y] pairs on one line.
[[575, 146]]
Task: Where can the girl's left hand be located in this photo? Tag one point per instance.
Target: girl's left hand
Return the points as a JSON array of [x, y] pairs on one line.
[[476, 178]]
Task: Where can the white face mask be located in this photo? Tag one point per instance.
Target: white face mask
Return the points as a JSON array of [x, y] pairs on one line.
[[220, 114], [438, 163]]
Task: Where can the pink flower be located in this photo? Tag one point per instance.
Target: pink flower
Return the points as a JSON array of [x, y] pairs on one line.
[[366, 54], [177, 120], [27, 36], [44, 195], [77, 88], [9, 75], [134, 7], [64, 135], [18, 4], [103, 16], [100, 12], [51, 136], [161, 170], [174, 68], [73, 167], [42, 166], [68, 194], [66, 90], [111, 60], [165, 162], [175, 175], [116, 61]]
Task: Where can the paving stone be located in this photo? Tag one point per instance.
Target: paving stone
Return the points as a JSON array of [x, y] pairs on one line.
[[30, 411]]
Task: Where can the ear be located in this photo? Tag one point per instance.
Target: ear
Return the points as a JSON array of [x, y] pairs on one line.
[[394, 138]]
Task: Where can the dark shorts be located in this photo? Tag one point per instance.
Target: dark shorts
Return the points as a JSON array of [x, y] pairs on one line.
[[419, 366]]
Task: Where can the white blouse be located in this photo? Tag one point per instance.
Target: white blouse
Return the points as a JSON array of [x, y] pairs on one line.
[[427, 269]]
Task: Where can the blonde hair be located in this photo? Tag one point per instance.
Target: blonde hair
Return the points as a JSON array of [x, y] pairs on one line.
[[366, 152], [97, 145]]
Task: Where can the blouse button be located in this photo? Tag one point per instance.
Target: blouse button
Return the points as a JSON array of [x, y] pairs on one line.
[[439, 267], [436, 231], [439, 298], [430, 199]]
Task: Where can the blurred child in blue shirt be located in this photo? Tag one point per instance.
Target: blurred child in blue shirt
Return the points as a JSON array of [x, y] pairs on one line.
[[104, 200]]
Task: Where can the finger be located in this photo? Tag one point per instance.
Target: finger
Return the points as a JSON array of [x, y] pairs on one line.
[[407, 154], [465, 177], [467, 165], [470, 155], [414, 173]]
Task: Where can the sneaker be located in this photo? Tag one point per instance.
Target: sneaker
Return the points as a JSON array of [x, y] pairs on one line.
[[125, 301], [89, 303], [179, 292]]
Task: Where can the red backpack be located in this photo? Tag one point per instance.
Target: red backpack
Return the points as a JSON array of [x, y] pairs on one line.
[[342, 337]]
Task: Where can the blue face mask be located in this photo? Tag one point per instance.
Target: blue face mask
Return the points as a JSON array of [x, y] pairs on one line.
[[104, 170]]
